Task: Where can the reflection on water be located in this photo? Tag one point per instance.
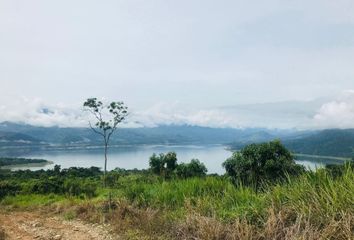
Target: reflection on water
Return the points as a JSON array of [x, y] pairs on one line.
[[138, 157]]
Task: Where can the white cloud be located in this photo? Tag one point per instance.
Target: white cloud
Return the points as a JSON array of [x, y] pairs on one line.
[[338, 113], [37, 112], [179, 114], [319, 114]]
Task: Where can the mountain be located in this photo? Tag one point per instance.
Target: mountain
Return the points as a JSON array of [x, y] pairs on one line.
[[330, 142], [165, 134], [17, 139]]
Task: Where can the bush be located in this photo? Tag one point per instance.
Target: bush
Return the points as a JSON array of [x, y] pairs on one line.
[[336, 170], [7, 188], [43, 186], [265, 162], [163, 164], [193, 169], [112, 179], [77, 187]]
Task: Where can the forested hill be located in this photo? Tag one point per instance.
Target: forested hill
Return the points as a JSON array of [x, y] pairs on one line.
[[12, 134], [331, 142]]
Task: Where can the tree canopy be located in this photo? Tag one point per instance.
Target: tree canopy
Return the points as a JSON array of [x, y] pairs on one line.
[[264, 162]]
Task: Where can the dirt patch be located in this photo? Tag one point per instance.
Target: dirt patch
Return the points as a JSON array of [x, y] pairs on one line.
[[28, 226]]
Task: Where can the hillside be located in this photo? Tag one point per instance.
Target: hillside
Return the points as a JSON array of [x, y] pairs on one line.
[[331, 142], [166, 134]]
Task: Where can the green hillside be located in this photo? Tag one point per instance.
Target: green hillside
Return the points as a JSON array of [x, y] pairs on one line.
[[331, 142]]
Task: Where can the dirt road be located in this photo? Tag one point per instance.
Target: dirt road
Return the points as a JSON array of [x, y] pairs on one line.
[[28, 225]]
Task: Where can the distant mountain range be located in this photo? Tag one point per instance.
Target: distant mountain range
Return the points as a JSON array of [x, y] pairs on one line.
[[329, 142], [332, 142], [14, 134]]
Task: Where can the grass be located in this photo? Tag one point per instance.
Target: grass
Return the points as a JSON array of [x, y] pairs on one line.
[[312, 206]]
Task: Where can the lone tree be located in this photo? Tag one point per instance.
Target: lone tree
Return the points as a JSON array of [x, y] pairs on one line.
[[107, 117], [263, 162]]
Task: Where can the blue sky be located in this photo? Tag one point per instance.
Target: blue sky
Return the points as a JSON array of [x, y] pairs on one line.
[[180, 61]]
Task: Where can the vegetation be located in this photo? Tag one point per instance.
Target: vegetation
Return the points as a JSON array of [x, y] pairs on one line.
[[163, 164], [193, 169], [166, 166], [330, 142], [259, 163], [6, 161], [74, 181], [144, 204], [116, 112]]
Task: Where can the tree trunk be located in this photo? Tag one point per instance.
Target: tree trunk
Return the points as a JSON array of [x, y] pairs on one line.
[[105, 163]]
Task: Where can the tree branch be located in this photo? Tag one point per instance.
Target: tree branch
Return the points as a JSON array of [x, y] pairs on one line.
[[96, 131]]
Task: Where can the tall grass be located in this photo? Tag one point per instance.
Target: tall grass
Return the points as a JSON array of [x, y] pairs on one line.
[[316, 195], [312, 206], [210, 196]]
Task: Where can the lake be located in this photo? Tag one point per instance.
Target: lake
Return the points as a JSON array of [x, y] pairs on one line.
[[138, 157]]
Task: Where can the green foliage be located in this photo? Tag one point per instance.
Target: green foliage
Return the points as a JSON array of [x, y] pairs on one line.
[[337, 170], [77, 187], [112, 179], [107, 118], [258, 163], [8, 188], [71, 182], [193, 169], [32, 200], [116, 109], [163, 164], [316, 195], [6, 161], [44, 186], [329, 142]]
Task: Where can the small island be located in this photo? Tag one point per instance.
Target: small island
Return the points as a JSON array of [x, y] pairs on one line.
[[8, 162]]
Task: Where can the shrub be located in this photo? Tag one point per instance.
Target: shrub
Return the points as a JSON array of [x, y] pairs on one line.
[[77, 187], [193, 169], [163, 164], [336, 170], [7, 188], [44, 186], [112, 179], [265, 162]]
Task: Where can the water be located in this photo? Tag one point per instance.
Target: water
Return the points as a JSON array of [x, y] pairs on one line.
[[131, 157], [138, 157]]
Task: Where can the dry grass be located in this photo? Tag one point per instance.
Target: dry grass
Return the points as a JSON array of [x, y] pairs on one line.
[[132, 222], [279, 226], [312, 206]]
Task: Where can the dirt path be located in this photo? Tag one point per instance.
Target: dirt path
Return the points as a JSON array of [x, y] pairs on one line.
[[28, 225]]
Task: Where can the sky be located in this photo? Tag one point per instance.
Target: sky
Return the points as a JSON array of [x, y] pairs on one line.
[[226, 63]]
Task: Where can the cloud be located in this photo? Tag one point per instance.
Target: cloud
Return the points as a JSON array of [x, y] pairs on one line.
[[179, 114], [36, 112], [338, 113]]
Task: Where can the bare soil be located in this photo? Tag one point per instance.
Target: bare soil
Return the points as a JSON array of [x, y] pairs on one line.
[[34, 225]]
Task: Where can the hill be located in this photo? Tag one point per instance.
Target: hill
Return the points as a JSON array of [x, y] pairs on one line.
[[330, 142], [165, 134]]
